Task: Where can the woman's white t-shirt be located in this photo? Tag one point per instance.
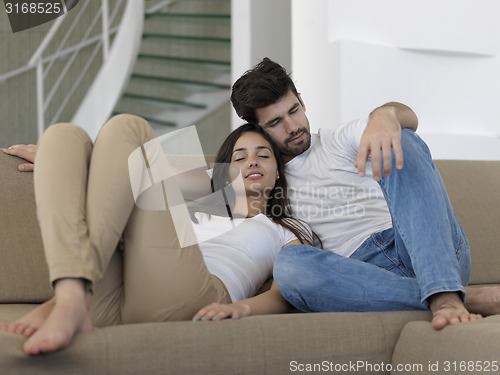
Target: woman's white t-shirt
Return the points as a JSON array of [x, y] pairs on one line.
[[240, 252]]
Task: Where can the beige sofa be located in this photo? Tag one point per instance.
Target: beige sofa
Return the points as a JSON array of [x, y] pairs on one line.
[[381, 343]]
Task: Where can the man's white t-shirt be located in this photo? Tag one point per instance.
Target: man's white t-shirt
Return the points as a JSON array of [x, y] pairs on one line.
[[240, 252], [328, 194]]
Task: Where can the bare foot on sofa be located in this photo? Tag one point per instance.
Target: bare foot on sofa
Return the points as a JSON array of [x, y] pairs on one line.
[[484, 300], [447, 308], [29, 323], [68, 316]]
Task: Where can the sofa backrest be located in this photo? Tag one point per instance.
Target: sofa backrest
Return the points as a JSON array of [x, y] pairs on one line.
[[474, 191], [473, 187]]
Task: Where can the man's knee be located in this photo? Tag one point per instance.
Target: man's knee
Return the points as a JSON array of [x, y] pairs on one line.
[[413, 146], [417, 157]]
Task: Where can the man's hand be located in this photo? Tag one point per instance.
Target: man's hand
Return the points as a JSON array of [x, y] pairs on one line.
[[383, 134], [27, 152]]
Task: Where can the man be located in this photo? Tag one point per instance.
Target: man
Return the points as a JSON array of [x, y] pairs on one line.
[[393, 241]]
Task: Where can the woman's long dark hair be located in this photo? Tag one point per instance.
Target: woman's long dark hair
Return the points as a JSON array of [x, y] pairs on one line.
[[278, 207]]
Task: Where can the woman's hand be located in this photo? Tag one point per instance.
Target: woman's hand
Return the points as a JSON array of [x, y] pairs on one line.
[[270, 302], [218, 311], [27, 152]]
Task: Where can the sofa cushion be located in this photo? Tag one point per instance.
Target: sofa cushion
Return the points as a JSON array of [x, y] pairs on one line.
[[465, 348], [267, 344], [23, 269], [474, 194]]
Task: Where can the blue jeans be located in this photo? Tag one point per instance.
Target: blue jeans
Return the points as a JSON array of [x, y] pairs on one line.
[[425, 252]]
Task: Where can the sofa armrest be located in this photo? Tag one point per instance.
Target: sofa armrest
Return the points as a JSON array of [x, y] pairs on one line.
[[23, 269], [466, 348]]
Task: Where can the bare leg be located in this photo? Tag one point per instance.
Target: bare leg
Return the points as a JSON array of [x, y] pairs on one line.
[[447, 308], [69, 315], [484, 300]]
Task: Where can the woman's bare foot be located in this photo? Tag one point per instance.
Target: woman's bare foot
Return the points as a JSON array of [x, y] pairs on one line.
[[483, 300], [69, 315], [447, 308], [29, 323]]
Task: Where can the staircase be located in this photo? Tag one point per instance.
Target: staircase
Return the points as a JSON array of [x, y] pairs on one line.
[[182, 73]]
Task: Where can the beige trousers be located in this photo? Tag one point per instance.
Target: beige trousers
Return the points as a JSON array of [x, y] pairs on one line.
[[84, 206]]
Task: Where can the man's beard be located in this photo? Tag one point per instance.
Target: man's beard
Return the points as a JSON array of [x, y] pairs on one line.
[[299, 148]]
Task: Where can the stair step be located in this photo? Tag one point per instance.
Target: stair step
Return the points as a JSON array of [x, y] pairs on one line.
[[180, 103], [191, 49], [160, 122], [184, 59], [181, 81], [201, 6], [152, 110], [185, 37], [158, 89], [209, 26], [190, 15], [181, 71]]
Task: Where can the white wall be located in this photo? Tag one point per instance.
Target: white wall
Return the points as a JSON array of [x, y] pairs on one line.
[[316, 68], [442, 58], [259, 28]]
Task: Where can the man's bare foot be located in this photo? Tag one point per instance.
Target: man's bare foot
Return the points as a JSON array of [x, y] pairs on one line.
[[447, 308], [484, 300], [29, 323], [68, 316]]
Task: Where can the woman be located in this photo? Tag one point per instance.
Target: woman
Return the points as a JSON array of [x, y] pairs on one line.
[[85, 204]]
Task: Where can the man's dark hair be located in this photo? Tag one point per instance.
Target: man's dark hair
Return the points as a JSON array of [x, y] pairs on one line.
[[259, 87]]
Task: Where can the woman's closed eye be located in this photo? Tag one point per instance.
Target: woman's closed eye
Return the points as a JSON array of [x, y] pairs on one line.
[[264, 153], [239, 158], [243, 158], [261, 152]]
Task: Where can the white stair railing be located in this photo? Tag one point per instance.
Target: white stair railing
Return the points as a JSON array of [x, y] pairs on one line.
[[117, 64], [110, 82]]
